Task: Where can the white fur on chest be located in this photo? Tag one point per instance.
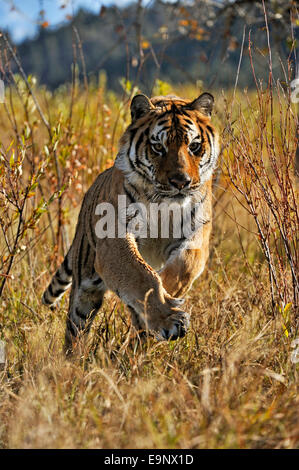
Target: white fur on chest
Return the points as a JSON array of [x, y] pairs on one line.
[[153, 251], [156, 249]]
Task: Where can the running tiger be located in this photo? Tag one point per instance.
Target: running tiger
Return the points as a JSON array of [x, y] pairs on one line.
[[167, 154]]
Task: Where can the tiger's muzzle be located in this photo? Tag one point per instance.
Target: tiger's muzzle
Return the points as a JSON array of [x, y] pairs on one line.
[[180, 181]]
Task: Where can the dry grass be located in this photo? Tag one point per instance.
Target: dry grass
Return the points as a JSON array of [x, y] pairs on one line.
[[229, 383]]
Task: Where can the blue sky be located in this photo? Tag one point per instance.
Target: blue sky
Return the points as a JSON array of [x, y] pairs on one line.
[[21, 17]]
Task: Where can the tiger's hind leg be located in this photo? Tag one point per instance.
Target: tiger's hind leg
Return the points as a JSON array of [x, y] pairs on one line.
[[85, 301]]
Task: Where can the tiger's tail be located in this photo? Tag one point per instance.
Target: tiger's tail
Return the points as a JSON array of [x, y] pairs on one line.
[[60, 282]]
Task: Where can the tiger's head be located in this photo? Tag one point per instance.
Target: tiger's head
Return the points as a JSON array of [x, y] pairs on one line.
[[170, 149]]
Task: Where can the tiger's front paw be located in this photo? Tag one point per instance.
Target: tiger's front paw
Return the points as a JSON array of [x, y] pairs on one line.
[[176, 324], [177, 330]]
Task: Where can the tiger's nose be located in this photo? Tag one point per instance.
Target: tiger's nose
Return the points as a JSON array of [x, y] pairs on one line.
[[180, 180]]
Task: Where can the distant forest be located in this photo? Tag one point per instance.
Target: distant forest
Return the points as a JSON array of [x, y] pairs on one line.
[[165, 41]]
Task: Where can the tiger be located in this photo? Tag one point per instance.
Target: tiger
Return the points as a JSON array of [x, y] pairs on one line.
[[168, 154]]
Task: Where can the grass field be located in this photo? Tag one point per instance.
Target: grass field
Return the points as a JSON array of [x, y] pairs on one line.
[[230, 383]]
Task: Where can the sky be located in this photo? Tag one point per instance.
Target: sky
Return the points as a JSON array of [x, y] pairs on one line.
[[20, 17]]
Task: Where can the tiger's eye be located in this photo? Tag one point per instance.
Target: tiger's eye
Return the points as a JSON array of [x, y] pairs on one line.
[[194, 146], [157, 147]]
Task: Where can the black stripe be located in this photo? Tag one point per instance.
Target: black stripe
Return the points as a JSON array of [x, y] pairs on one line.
[[210, 130], [209, 139], [182, 224], [160, 123], [176, 110], [129, 159], [192, 219], [132, 135], [98, 281], [50, 290], [189, 121], [142, 173], [96, 306], [59, 292], [92, 229], [80, 314], [63, 283], [164, 114], [134, 188], [80, 261], [139, 142], [66, 266], [87, 254], [72, 327], [184, 112], [187, 127], [46, 300], [140, 163], [174, 246], [200, 128], [129, 195], [165, 128], [134, 166]]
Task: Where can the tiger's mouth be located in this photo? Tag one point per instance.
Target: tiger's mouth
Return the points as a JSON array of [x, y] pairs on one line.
[[167, 192], [171, 192]]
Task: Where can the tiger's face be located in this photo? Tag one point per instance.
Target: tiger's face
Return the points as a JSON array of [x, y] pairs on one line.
[[171, 144]]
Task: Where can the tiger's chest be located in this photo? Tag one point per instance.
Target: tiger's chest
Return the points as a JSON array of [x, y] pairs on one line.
[[154, 251], [162, 233]]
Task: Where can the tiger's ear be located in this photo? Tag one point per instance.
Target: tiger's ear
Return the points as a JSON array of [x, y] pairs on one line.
[[204, 104], [140, 106]]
